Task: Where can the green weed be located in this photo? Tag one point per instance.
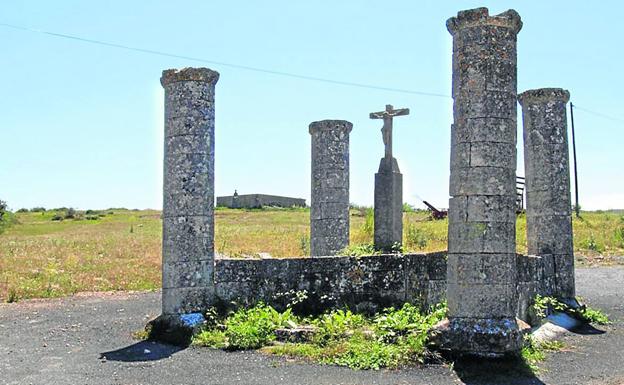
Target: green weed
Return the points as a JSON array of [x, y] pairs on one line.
[[389, 339]]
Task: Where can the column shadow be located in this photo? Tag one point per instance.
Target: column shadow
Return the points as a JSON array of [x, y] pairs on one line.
[[508, 371], [142, 351]]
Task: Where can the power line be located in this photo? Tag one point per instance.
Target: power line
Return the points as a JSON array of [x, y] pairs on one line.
[[599, 114], [256, 69], [231, 65]]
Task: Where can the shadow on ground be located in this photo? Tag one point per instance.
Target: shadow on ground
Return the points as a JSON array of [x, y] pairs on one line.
[[142, 351], [508, 371]]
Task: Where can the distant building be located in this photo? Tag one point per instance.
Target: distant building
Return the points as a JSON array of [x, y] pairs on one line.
[[249, 201]]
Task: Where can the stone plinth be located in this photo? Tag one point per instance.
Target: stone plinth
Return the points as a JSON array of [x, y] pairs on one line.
[[481, 268], [329, 208], [188, 193], [388, 206], [547, 172]]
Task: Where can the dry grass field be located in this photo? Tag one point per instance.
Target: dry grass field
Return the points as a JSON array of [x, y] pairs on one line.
[[120, 250]]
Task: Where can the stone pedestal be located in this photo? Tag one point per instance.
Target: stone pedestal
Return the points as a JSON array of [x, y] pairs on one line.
[[547, 172], [329, 206], [388, 206], [188, 196], [481, 270]]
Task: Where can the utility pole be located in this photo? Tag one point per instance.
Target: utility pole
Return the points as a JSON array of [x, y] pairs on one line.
[[577, 208]]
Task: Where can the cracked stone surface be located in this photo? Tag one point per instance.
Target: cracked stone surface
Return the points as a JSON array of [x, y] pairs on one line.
[[329, 206], [547, 172], [188, 190], [481, 269]]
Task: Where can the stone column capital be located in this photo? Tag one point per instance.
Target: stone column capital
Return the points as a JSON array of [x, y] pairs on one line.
[[543, 95], [330, 125], [481, 17], [187, 74]]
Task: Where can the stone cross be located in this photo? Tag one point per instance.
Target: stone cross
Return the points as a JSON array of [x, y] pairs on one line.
[[386, 130]]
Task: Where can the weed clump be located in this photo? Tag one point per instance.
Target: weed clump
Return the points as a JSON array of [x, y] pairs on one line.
[[389, 339]]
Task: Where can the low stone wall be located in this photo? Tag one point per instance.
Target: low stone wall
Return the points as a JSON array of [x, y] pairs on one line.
[[364, 284]]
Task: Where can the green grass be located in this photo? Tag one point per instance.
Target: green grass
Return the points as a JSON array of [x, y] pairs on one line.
[[122, 251], [390, 339]]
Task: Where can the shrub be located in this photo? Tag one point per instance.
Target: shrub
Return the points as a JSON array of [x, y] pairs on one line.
[[22, 210], [416, 237], [369, 223], [37, 210], [70, 213], [6, 217]]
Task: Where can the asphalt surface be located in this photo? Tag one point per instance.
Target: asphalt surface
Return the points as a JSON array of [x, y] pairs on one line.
[[87, 339]]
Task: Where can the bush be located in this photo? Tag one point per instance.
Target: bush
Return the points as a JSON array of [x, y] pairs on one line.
[[37, 210], [22, 210], [6, 217], [70, 213], [416, 237]]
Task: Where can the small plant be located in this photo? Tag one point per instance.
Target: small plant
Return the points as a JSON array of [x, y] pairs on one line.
[[255, 327], [594, 316], [618, 234], [531, 353], [592, 244], [369, 222], [416, 237], [543, 306], [13, 296], [359, 250], [304, 244]]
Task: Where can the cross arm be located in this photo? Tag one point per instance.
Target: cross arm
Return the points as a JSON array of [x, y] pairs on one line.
[[400, 112]]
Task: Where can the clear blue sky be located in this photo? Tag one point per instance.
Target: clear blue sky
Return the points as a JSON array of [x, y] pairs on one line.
[[81, 124]]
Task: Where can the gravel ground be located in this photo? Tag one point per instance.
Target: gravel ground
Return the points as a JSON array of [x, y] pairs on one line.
[[87, 339]]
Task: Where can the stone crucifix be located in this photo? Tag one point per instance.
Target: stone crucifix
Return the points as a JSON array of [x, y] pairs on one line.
[[386, 130]]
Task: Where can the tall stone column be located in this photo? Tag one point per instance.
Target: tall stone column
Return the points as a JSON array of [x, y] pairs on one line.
[[481, 267], [547, 172], [329, 208], [188, 193], [388, 230]]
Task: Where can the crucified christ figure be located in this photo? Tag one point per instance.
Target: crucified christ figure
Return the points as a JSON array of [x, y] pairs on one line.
[[386, 130]]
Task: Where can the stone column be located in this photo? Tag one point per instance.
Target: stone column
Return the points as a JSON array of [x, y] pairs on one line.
[[481, 268], [547, 172], [329, 206], [188, 193], [388, 230]]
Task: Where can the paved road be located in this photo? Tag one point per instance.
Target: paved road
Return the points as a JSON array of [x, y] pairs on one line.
[[87, 339]]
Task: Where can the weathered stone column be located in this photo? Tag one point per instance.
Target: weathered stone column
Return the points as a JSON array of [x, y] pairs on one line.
[[188, 194], [547, 172], [481, 268], [329, 208], [388, 230]]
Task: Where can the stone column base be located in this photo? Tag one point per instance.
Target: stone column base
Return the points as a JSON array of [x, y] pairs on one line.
[[176, 329], [480, 337], [388, 205]]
